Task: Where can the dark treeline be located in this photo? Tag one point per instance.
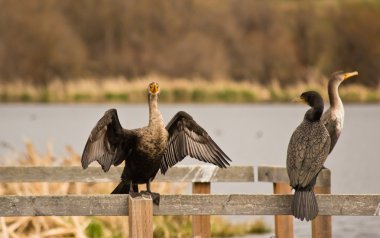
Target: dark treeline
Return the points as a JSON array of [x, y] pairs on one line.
[[238, 39]]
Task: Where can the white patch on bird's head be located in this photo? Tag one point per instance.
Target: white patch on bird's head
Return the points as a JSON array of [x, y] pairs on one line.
[[154, 88]]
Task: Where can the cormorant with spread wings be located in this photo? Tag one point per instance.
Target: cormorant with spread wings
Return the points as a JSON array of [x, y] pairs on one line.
[[146, 150]]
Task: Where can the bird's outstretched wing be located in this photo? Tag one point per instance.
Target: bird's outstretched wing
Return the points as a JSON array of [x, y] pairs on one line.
[[108, 143], [186, 137]]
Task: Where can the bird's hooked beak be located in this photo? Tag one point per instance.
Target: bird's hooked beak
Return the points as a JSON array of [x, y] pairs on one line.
[[299, 100], [154, 88], [348, 75]]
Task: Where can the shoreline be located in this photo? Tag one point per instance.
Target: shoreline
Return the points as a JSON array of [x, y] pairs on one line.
[[173, 91]]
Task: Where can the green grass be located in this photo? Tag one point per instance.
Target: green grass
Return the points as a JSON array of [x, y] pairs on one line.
[[44, 96], [181, 226], [95, 229], [372, 97], [174, 91], [199, 95], [248, 96], [81, 97], [181, 95], [227, 95], [25, 97], [4, 97], [222, 228], [123, 97], [351, 97]]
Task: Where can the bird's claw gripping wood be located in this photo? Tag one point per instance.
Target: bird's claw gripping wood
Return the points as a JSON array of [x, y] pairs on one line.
[[134, 194], [155, 196]]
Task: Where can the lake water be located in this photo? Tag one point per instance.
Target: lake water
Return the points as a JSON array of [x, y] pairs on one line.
[[249, 134]]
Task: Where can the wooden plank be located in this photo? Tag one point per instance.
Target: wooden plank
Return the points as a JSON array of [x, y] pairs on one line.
[[205, 173], [141, 217], [208, 173], [321, 226], [201, 224], [235, 204], [283, 224], [276, 174]]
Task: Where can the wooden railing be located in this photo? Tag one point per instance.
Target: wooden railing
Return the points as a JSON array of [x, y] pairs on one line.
[[200, 176], [140, 210], [321, 225]]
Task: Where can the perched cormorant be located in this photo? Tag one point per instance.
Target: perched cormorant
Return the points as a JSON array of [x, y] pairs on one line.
[[307, 151], [146, 150], [333, 118]]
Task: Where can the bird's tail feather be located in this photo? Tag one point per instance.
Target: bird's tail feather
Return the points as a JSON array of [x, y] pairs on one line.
[[124, 187], [304, 205]]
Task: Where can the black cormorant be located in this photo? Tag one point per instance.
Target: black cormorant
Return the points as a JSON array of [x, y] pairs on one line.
[[146, 150], [333, 118], [307, 151]]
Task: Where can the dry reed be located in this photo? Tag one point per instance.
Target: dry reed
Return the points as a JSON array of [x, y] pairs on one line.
[[19, 227]]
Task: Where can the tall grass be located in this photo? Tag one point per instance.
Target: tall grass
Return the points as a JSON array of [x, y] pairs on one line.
[[173, 91], [97, 227]]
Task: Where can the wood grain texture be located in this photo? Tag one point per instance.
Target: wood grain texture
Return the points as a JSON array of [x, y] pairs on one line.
[[275, 174], [201, 224], [235, 204], [321, 226], [141, 214], [283, 224], [205, 173]]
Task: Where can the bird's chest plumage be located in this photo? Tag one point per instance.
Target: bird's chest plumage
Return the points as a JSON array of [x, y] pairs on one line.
[[338, 117], [333, 119], [153, 142]]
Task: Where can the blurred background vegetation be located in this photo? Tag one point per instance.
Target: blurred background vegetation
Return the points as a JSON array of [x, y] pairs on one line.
[[261, 42]]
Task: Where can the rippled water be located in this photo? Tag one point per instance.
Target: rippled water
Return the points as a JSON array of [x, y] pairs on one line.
[[249, 134]]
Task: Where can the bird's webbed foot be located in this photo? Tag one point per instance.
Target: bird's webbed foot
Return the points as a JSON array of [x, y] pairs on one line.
[[155, 196]]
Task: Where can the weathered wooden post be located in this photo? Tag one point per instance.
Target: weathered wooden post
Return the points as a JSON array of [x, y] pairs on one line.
[[140, 212], [201, 224], [283, 223], [321, 226], [278, 176]]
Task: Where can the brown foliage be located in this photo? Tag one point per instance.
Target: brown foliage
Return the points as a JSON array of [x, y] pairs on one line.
[[258, 41]]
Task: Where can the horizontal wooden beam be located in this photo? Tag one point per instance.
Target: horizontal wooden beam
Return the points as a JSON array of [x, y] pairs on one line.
[[117, 205], [204, 173], [275, 174], [207, 173]]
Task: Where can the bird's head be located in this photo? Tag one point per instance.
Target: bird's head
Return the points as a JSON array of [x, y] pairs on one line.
[[311, 98], [340, 76], [314, 100], [154, 88]]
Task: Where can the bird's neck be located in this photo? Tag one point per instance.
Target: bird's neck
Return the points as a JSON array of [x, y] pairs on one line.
[[154, 114], [335, 101], [314, 114]]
